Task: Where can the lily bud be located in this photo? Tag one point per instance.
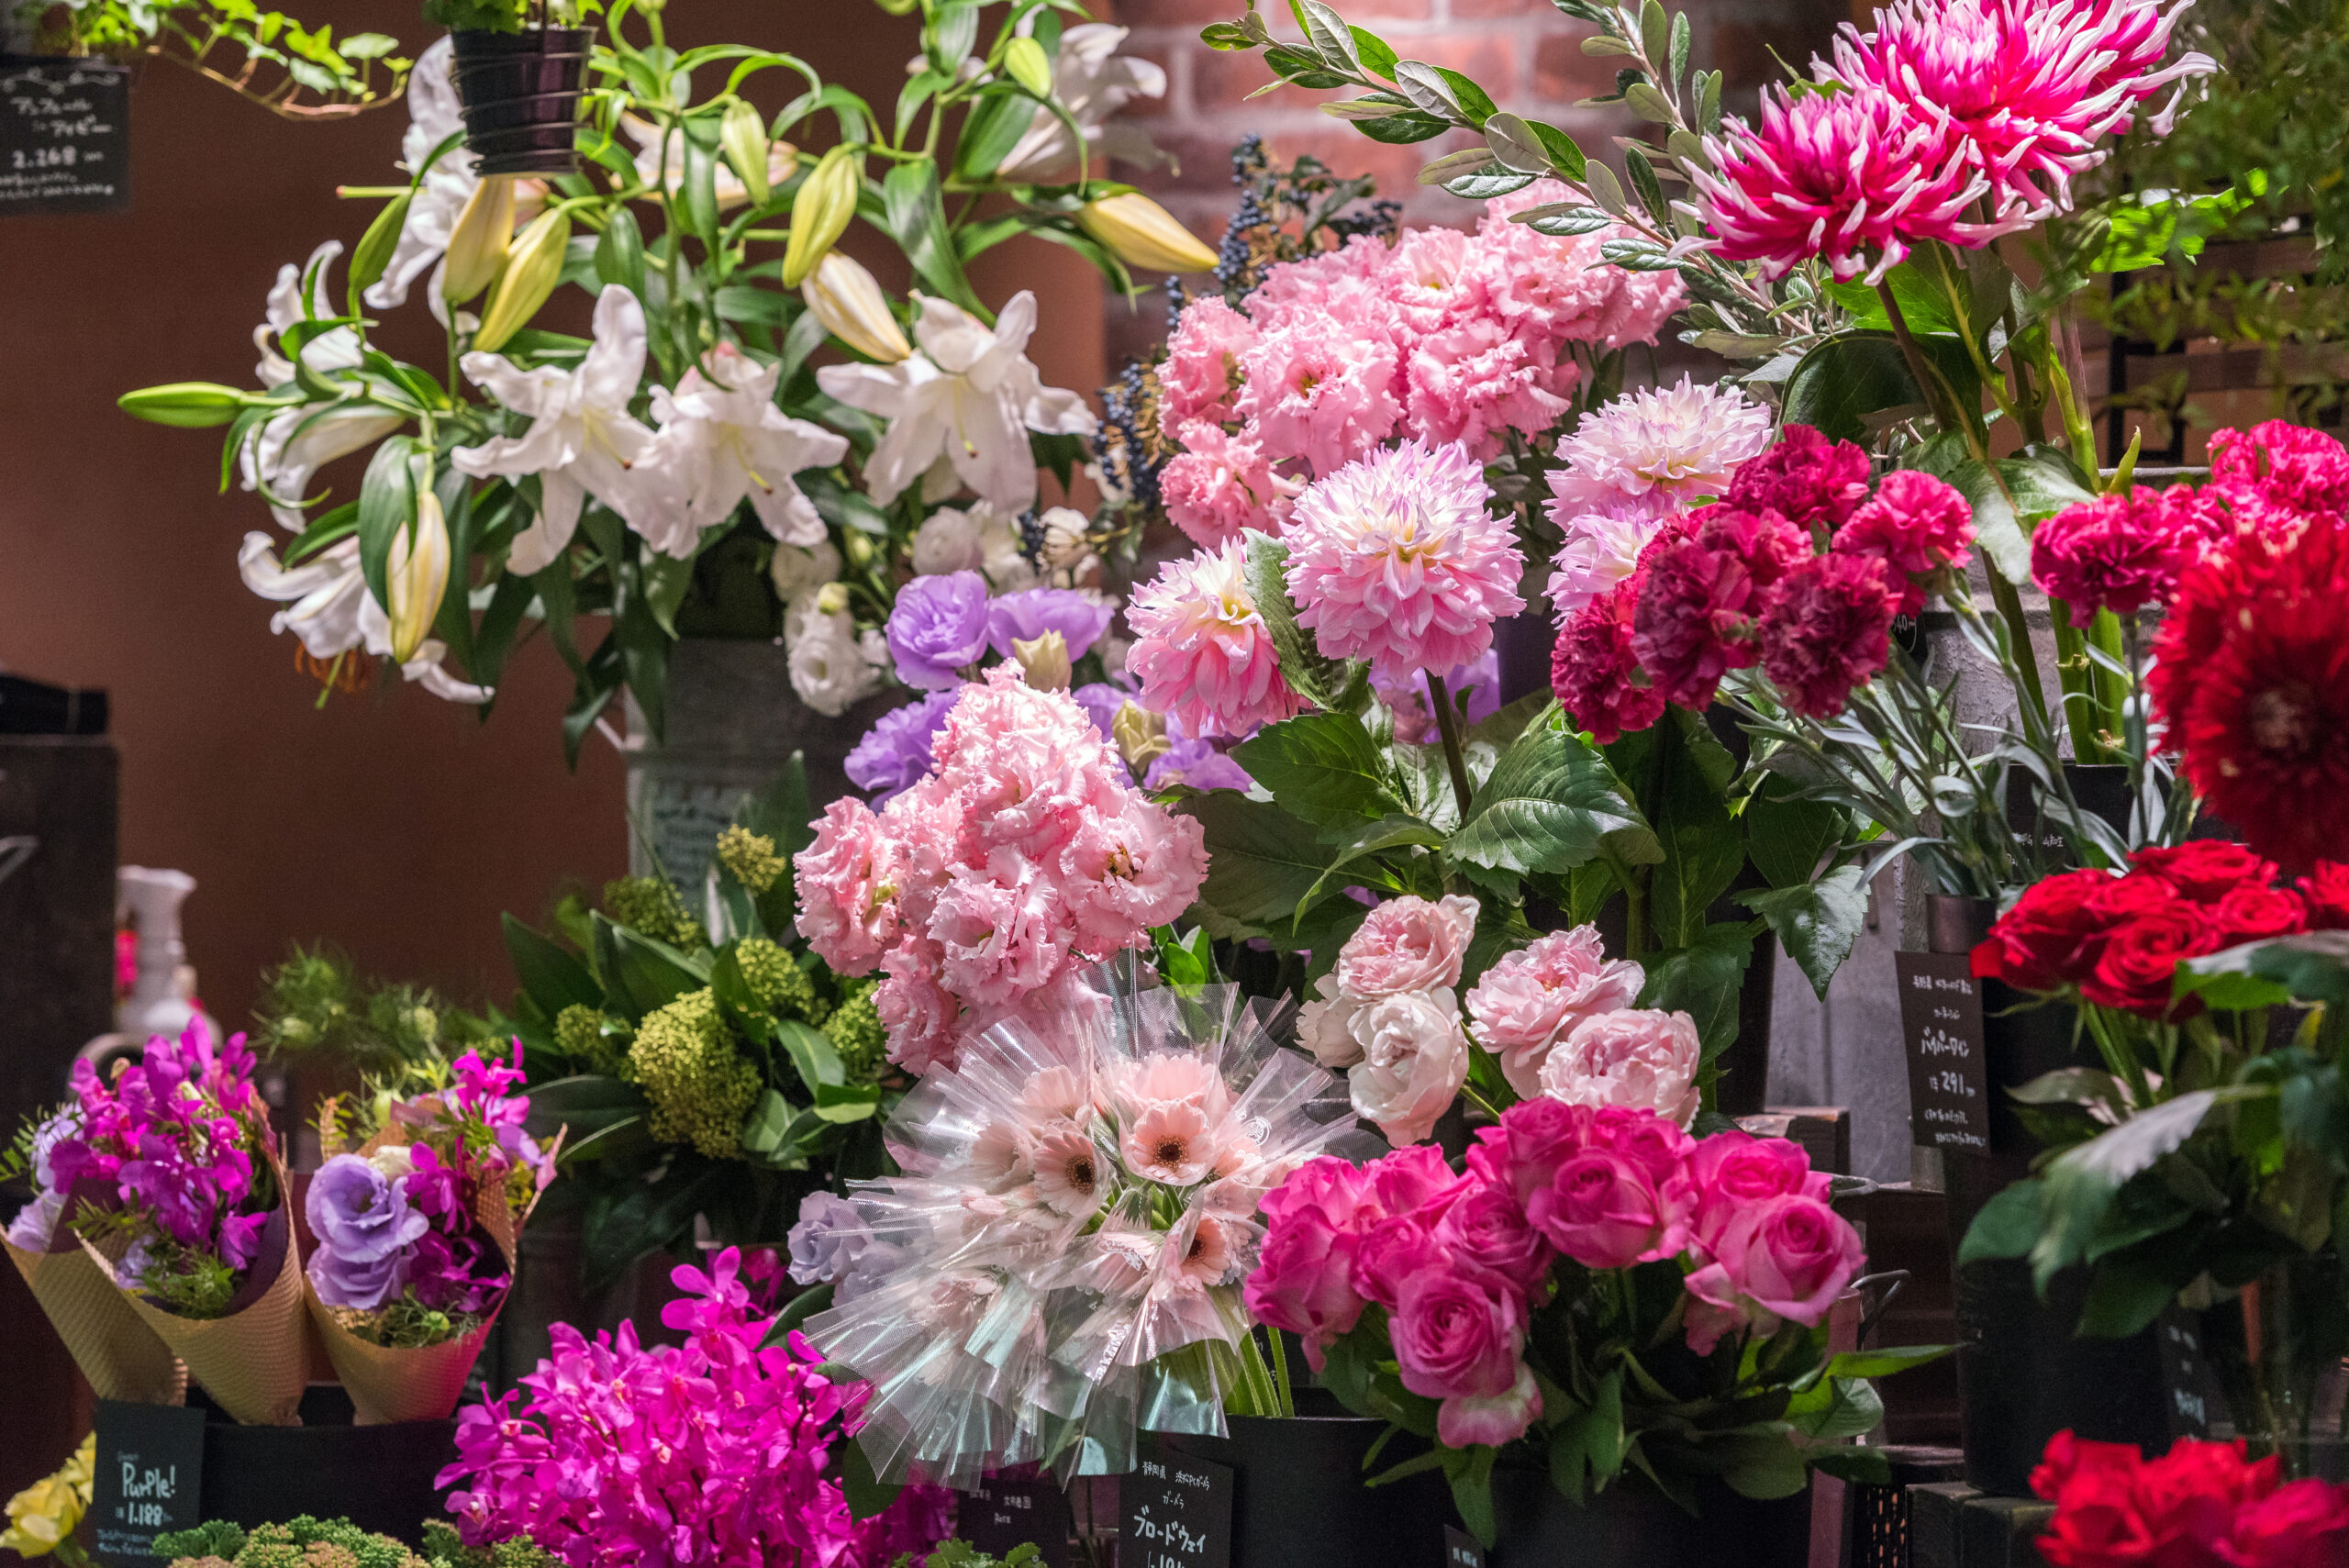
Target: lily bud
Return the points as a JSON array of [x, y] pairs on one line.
[[191, 404], [819, 213], [418, 576], [1141, 734], [744, 135], [1142, 234], [848, 300], [529, 278], [478, 245], [1044, 659], [1025, 62]]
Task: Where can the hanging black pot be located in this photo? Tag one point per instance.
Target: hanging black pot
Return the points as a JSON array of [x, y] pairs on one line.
[[1631, 1525], [2023, 1374], [519, 92]]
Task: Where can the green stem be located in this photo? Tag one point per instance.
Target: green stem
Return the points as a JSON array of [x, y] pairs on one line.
[[2111, 688], [1447, 722], [1938, 397], [1282, 1390]]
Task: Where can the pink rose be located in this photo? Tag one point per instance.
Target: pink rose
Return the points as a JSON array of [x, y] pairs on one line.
[[1392, 1254], [1490, 1240], [1417, 1181], [1530, 999], [1603, 1210], [1467, 1419], [1326, 1186], [1453, 1337], [1731, 1171], [1636, 1058], [1786, 1260], [1303, 1282], [1414, 1061], [1658, 1146], [1408, 944], [1535, 1138]]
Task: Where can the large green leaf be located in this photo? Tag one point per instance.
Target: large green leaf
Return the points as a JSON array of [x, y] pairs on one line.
[[1551, 804], [1703, 852], [1702, 980], [1322, 766], [914, 208], [551, 975], [1817, 922], [781, 811], [1786, 837], [1391, 833], [2313, 967], [586, 1102], [1316, 679], [1855, 375], [2083, 1182], [651, 972], [1261, 862]]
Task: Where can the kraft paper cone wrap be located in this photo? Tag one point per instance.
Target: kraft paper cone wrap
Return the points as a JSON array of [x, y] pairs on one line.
[[119, 1354], [252, 1362]]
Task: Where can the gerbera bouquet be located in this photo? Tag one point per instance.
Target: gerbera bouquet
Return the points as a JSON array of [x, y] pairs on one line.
[[1059, 1267], [412, 1223], [1598, 1293]]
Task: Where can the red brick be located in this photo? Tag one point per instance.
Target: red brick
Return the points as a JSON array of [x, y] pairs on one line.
[[1563, 73], [1163, 12], [1221, 80]]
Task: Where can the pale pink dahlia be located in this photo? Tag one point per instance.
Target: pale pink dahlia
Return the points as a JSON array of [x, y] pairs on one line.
[[1602, 547], [1202, 651], [1853, 177], [1672, 443], [1394, 559]]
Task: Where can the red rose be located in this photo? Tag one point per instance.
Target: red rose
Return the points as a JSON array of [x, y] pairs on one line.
[[2325, 890], [2252, 912], [2051, 938], [2304, 1524], [2205, 870], [2114, 1509], [2139, 959]]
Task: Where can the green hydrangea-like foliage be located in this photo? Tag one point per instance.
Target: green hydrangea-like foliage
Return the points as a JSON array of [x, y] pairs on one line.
[[443, 1548], [299, 1542], [777, 981], [580, 1034], [854, 1028], [751, 857], [654, 907], [699, 1084]]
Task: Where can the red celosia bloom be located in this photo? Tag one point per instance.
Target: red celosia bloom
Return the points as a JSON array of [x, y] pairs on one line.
[[1915, 524], [2251, 680], [1593, 671], [1852, 177], [1827, 630], [1805, 478], [2305, 470], [2119, 552]]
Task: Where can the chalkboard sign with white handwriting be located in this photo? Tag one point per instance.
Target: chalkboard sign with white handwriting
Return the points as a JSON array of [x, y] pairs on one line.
[[1175, 1511], [64, 135], [1003, 1514], [1460, 1551], [1949, 1080], [148, 1476]]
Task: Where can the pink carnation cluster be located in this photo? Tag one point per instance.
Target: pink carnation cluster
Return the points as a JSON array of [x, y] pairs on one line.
[[1461, 1262], [1441, 337], [1946, 103], [983, 889], [715, 1450]]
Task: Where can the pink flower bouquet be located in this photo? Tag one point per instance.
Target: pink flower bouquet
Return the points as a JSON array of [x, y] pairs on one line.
[[1596, 1290]]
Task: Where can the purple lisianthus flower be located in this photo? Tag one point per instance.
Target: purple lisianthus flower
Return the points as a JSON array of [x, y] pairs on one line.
[[1195, 762], [35, 1224], [1028, 613], [358, 1214], [1475, 687], [939, 628], [829, 1239], [895, 754], [1101, 702]]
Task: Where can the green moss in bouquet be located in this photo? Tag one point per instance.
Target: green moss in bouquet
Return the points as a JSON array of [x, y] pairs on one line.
[[707, 1063], [299, 1542]]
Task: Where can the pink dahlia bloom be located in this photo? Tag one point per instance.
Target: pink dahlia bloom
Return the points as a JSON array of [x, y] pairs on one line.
[[1602, 547], [1916, 525], [1200, 375], [2116, 552], [1596, 676], [1220, 485], [1394, 559], [1805, 478], [1853, 178], [1662, 444], [1201, 650], [1827, 630]]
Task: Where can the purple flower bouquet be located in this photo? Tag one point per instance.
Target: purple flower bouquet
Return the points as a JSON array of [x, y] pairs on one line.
[[413, 1239]]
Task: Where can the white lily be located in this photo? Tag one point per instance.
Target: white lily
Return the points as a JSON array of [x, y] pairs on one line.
[[782, 159], [447, 186], [1093, 81], [582, 441], [332, 613], [970, 393], [291, 445], [726, 440]]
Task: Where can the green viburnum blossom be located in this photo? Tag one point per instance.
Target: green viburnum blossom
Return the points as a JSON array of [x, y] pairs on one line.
[[854, 1028], [751, 857], [700, 1085], [654, 907]]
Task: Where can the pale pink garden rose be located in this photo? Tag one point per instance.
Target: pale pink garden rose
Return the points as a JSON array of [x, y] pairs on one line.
[[1637, 1058], [1325, 1025], [1408, 944], [1528, 1002], [1414, 1061]]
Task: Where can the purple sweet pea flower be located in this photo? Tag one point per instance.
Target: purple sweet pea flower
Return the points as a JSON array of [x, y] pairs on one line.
[[939, 628], [895, 754], [1476, 686], [1032, 612], [1194, 763]]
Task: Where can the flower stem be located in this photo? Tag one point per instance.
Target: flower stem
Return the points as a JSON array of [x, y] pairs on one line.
[[1447, 723]]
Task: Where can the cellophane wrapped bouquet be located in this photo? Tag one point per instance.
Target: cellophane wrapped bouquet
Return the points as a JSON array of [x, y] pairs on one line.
[[414, 1234], [1060, 1264]]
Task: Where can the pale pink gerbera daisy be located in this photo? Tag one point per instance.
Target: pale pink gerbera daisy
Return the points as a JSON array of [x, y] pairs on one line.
[[1667, 444], [1202, 651], [1853, 176], [2029, 88], [1068, 1171], [1394, 559], [1171, 1143]]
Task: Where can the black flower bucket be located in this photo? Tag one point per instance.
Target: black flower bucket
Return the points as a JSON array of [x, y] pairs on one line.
[[519, 92]]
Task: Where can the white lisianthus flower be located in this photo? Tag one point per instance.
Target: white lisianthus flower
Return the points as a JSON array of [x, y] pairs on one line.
[[831, 667], [948, 540], [724, 438], [796, 571]]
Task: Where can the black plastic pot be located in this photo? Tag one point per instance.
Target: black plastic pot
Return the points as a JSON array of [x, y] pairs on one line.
[[1630, 1525], [1298, 1499], [520, 93], [2023, 1375], [380, 1478]]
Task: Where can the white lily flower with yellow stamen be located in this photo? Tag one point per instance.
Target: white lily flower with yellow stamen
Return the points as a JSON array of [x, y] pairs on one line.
[[331, 613], [582, 442], [724, 438], [281, 457]]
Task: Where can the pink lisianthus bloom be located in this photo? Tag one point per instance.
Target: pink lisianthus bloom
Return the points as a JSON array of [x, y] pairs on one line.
[[1640, 1059], [1595, 673], [1220, 485], [1414, 1061], [1853, 178], [1828, 630], [1668, 446], [2118, 552], [1408, 944], [1529, 1000], [1553, 290], [1805, 478], [847, 909], [1733, 1172], [1200, 375], [1001, 930], [1128, 872], [1472, 380], [1394, 559], [1916, 525], [1201, 649], [1784, 1261]]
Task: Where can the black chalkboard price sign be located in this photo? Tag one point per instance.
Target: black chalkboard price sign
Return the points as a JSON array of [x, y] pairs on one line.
[[64, 135], [148, 1479], [1460, 1551], [1949, 1079], [1174, 1512], [1004, 1513]]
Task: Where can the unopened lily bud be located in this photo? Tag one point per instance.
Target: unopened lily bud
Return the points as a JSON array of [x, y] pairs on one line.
[[1142, 234], [418, 576], [1063, 538], [478, 246], [1044, 659], [190, 405], [1025, 62], [529, 277], [848, 300], [743, 134], [819, 213], [1141, 734]]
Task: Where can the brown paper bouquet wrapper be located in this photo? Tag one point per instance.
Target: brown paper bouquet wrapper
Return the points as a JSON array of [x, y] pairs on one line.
[[119, 1354], [251, 1361]]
